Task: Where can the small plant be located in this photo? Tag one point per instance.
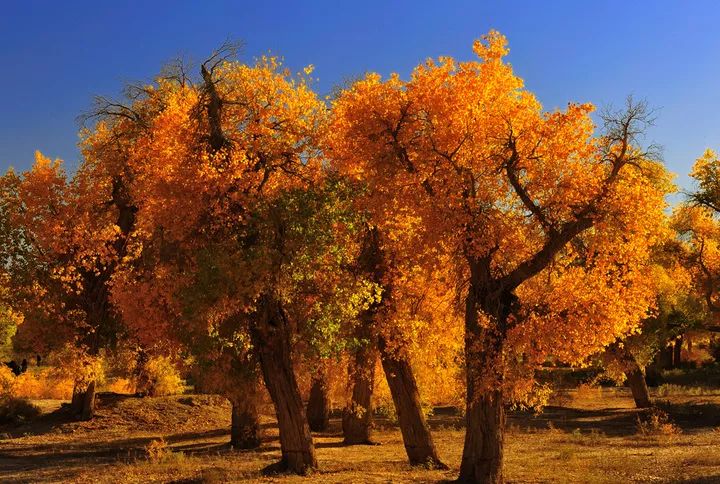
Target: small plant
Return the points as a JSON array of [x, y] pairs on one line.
[[656, 422], [592, 438], [158, 451], [387, 409]]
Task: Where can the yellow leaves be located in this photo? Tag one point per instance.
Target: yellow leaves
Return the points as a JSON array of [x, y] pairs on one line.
[[461, 161], [705, 165], [492, 46]]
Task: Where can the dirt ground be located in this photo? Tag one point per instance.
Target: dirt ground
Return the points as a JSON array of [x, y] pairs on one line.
[[587, 437]]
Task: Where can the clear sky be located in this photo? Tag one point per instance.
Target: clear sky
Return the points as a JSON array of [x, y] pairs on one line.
[[56, 55]]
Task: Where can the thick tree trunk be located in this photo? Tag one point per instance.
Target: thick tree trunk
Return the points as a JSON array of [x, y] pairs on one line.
[[416, 434], [665, 357], [83, 402], [245, 424], [638, 387], [482, 459], [271, 338], [357, 416], [318, 407]]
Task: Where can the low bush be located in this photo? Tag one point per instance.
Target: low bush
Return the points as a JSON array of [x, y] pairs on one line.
[[159, 377], [15, 410], [656, 422]]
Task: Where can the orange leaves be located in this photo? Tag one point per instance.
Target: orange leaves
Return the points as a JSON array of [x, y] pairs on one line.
[[268, 119]]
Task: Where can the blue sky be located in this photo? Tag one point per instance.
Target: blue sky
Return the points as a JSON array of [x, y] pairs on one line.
[[55, 56]]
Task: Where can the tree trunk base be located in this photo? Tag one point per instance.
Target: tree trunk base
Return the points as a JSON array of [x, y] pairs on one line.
[[357, 417], [283, 467], [83, 402], [482, 460], [638, 387]]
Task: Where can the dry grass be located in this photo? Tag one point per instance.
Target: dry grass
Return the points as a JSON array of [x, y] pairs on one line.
[[184, 439]]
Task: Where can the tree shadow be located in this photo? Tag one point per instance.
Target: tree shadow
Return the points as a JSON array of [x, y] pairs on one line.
[[692, 416], [66, 456], [53, 421], [617, 422]]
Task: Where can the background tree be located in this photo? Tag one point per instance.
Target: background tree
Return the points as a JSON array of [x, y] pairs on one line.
[[66, 239]]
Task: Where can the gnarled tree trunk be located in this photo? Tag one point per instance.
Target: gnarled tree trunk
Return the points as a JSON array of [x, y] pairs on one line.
[[482, 458], [416, 434], [83, 401], [271, 339], [638, 387], [318, 407]]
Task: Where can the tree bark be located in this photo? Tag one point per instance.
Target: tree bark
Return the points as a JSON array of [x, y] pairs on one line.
[[357, 416], [638, 387], [665, 358], [271, 338], [482, 459], [636, 381], [245, 424], [318, 407], [416, 434], [83, 402]]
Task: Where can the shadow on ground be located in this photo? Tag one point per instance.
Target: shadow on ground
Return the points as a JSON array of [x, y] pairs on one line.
[[64, 456]]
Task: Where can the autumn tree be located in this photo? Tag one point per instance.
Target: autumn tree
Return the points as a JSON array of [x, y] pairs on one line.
[[259, 241], [677, 309], [505, 188], [699, 229]]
